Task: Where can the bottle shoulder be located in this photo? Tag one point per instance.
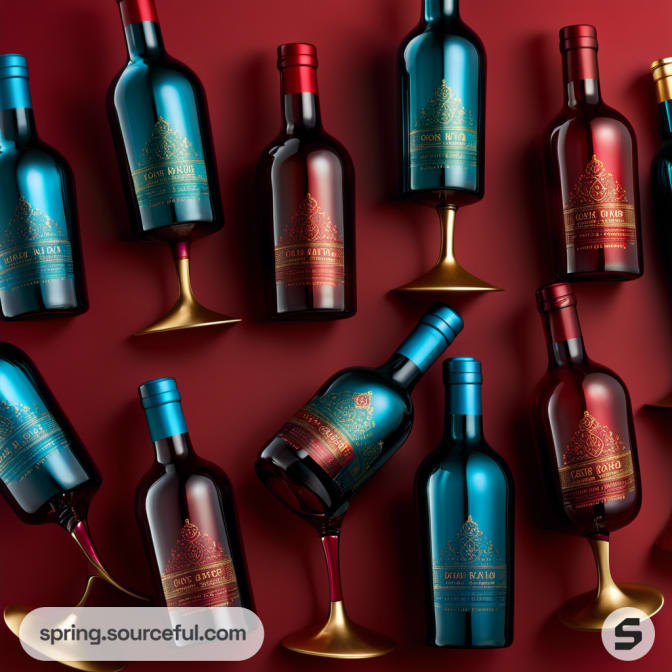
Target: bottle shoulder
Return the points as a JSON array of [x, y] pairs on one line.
[[360, 379], [458, 459], [589, 118], [306, 145], [154, 74]]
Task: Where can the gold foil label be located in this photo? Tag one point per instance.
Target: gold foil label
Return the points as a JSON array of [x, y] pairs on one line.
[[200, 572], [445, 134], [598, 215], [597, 467], [310, 250], [169, 169], [470, 574]]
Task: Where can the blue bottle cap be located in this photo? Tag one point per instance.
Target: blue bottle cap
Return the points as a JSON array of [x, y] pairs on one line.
[[445, 320], [13, 65], [161, 401], [159, 391], [462, 370]]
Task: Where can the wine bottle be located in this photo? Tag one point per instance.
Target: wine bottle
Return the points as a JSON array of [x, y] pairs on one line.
[[159, 119], [184, 507], [46, 474], [307, 216], [41, 271], [661, 169], [584, 428], [591, 174], [442, 64], [355, 422], [464, 492]]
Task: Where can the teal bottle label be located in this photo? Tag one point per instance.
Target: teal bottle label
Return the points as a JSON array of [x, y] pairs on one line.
[[470, 573], [445, 134], [34, 249], [169, 168], [345, 431], [31, 441]]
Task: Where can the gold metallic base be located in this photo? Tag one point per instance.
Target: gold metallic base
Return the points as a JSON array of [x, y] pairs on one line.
[[187, 313], [588, 610], [339, 637], [14, 615], [665, 402], [447, 275]]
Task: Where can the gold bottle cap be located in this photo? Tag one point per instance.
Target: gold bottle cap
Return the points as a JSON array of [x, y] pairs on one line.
[[661, 71]]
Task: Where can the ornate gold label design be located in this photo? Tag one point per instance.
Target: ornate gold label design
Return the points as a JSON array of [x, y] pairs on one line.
[[169, 169], [34, 249], [598, 214], [444, 134], [200, 572], [470, 573], [596, 466], [310, 249]]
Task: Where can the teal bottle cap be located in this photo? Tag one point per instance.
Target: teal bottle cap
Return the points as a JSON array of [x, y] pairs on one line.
[[13, 65], [445, 320], [462, 370], [161, 400]]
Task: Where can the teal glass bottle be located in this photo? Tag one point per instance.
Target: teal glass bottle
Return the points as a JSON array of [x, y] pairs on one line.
[[464, 492], [355, 422], [41, 271], [442, 64]]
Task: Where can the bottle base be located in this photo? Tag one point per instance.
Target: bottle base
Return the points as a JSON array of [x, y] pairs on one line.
[[45, 314], [596, 276], [314, 315]]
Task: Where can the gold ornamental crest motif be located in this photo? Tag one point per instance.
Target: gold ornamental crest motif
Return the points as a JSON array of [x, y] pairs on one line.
[[444, 108], [590, 441], [469, 546], [166, 144], [596, 185], [310, 224], [30, 224]]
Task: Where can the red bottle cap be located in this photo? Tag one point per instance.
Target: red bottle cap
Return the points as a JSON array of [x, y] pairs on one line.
[[581, 36], [298, 64], [136, 11], [555, 296]]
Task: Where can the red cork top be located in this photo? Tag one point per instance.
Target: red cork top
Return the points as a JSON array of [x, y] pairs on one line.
[[135, 11], [553, 301], [555, 296], [298, 64], [578, 45]]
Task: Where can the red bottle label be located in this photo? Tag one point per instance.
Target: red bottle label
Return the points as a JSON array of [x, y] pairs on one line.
[[200, 572], [596, 466], [598, 215], [310, 249]]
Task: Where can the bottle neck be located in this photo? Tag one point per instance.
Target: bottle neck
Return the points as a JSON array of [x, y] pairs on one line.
[[141, 28], [17, 123], [563, 337], [436, 10], [300, 99], [581, 76], [463, 419], [665, 110], [402, 371], [173, 449]]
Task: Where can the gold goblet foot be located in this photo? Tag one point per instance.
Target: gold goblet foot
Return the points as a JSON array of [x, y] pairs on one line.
[[14, 615], [588, 610], [447, 275], [339, 637], [187, 312]]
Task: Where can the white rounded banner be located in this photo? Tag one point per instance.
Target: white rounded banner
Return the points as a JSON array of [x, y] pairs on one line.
[[141, 633]]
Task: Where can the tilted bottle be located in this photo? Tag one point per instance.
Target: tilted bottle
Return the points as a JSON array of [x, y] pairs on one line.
[[591, 174], [355, 422], [584, 428], [159, 118], [464, 491], [46, 474], [442, 64], [184, 507], [41, 270], [306, 184]]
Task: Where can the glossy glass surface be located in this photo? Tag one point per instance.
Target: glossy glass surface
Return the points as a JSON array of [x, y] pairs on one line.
[[591, 163], [442, 65], [583, 407], [180, 489], [661, 181], [159, 118], [46, 474], [464, 492], [305, 175], [40, 252]]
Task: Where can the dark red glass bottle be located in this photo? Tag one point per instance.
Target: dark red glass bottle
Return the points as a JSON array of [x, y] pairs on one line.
[[184, 507], [591, 174], [306, 186], [584, 428]]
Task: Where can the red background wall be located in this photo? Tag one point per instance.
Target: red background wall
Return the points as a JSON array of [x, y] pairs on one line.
[[240, 384]]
